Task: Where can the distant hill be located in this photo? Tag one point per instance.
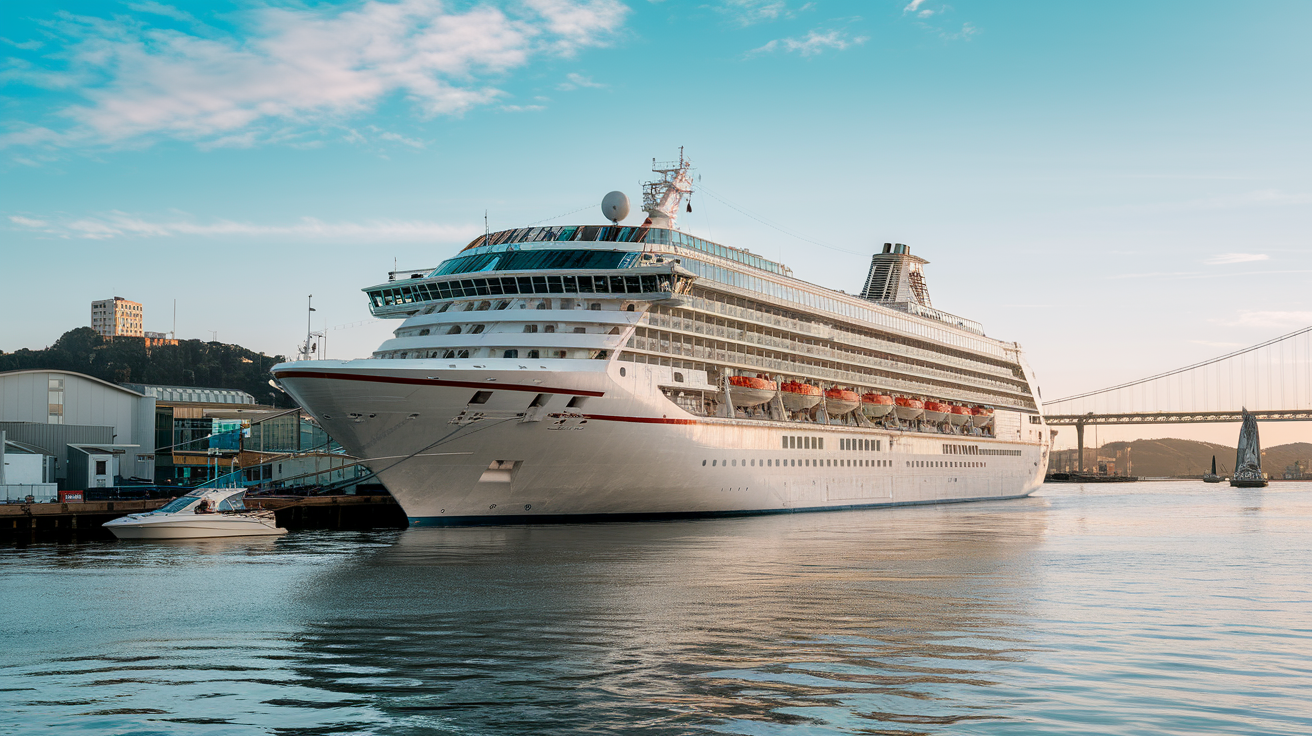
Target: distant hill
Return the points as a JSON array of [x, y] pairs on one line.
[[126, 360], [1173, 457]]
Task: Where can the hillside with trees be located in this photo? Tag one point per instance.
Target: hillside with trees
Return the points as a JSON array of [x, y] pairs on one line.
[[127, 360], [1181, 458]]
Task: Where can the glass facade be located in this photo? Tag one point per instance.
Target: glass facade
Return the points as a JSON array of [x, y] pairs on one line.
[[536, 260], [582, 284]]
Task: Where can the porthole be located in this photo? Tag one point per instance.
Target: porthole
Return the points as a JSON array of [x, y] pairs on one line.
[[703, 463], [624, 373]]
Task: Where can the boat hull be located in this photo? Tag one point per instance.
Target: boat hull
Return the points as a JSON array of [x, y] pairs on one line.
[[189, 529], [628, 453], [799, 402], [876, 411], [908, 413], [838, 407], [746, 397]]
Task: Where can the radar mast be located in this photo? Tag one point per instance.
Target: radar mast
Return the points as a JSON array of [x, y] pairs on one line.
[[661, 197]]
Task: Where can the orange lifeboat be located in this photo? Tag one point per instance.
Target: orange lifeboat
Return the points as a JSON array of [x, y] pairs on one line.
[[840, 401], [876, 406], [908, 409], [982, 417], [936, 411], [960, 416], [748, 391], [799, 396]]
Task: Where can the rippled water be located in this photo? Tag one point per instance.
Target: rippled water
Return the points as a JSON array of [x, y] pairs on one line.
[[1167, 608]]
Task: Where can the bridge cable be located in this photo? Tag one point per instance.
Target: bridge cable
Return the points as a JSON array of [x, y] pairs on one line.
[[1177, 371]]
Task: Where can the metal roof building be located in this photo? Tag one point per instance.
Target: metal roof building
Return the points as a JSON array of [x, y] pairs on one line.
[[52, 409]]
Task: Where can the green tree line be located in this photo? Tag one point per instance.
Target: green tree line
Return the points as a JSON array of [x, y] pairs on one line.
[[127, 360]]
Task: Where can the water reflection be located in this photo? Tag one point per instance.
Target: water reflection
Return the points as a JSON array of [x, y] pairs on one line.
[[846, 620], [1162, 608]]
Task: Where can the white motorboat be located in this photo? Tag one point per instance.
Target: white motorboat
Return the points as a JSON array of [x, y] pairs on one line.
[[205, 512]]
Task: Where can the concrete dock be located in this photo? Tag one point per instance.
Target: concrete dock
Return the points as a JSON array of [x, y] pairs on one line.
[[19, 522]]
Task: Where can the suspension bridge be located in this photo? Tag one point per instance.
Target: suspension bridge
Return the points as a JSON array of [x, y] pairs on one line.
[[1272, 380]]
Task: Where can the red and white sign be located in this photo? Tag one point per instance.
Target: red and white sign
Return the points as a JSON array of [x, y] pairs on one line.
[[70, 496]]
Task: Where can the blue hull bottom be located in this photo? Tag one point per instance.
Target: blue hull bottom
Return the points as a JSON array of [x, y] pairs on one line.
[[513, 519]]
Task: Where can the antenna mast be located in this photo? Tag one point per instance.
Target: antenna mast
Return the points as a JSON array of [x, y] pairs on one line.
[[661, 197]]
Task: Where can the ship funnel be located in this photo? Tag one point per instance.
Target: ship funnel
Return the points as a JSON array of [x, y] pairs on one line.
[[896, 277]]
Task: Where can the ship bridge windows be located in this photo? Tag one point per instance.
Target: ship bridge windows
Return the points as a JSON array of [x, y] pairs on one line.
[[457, 288]]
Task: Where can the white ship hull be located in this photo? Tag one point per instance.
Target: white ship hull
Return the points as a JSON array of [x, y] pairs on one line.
[[624, 450]]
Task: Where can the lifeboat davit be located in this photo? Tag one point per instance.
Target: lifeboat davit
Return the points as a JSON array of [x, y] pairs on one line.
[[748, 391], [841, 401], [961, 415], [876, 406], [982, 417], [937, 411], [908, 409], [799, 396]]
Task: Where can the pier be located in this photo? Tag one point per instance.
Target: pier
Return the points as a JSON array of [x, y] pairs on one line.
[[33, 521]]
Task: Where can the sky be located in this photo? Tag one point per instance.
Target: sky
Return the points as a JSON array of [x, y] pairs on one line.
[[1121, 187]]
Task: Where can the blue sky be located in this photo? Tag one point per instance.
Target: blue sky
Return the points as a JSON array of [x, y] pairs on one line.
[[1121, 187]]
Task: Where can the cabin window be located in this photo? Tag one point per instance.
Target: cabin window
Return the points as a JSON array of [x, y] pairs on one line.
[[455, 330], [1036, 420], [510, 354], [484, 306], [503, 304], [449, 354], [532, 354], [785, 442], [530, 328], [469, 307], [462, 354], [549, 328], [476, 330], [629, 308], [424, 331], [566, 303], [678, 377], [595, 306], [580, 330], [561, 354], [444, 307], [544, 304], [623, 372]]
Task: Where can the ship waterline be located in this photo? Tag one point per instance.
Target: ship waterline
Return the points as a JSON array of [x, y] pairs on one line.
[[590, 372]]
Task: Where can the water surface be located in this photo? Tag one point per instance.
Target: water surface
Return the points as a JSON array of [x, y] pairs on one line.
[[1168, 608]]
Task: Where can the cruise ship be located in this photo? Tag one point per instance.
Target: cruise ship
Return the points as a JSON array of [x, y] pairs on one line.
[[614, 372]]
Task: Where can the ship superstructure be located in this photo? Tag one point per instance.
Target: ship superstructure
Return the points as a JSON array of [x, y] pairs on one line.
[[612, 371]]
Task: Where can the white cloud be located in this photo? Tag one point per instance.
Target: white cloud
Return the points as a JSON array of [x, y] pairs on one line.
[[32, 45], [295, 65], [1227, 258], [117, 225], [814, 43], [575, 81], [913, 6], [157, 8], [747, 12], [1271, 319]]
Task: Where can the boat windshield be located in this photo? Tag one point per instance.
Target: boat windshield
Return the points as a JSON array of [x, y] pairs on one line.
[[233, 503], [176, 505]]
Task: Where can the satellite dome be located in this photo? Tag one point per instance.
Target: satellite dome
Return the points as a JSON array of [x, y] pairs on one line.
[[615, 206]]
